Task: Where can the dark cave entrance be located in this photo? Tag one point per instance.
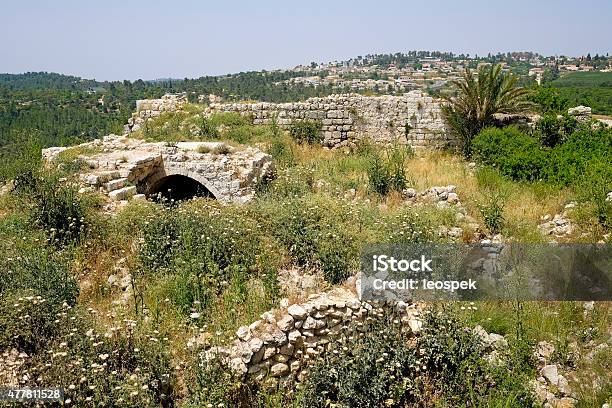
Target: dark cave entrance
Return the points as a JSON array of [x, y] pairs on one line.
[[178, 188]]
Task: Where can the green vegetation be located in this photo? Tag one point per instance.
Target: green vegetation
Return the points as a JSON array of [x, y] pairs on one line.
[[445, 366], [581, 160], [478, 98], [386, 174], [593, 89], [306, 131]]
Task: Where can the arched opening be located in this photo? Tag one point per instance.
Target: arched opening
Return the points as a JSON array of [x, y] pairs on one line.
[[178, 188]]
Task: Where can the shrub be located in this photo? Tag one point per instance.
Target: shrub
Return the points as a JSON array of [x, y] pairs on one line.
[[386, 174], [27, 321], [315, 235], [30, 263], [222, 149], [379, 176], [552, 131], [18, 158], [307, 131], [197, 249], [36, 281], [549, 100], [281, 152], [510, 151], [291, 182], [384, 367], [55, 205], [492, 211], [407, 227], [117, 366], [217, 384], [568, 162], [594, 186], [206, 128]]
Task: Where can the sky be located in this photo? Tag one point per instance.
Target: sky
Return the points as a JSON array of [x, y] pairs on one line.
[[150, 39]]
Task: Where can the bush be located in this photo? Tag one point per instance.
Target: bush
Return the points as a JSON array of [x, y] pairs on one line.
[[492, 211], [407, 227], [510, 151], [306, 131], [549, 100], [55, 205], [27, 321], [291, 182], [594, 186], [384, 367], [281, 152], [552, 131], [206, 128], [197, 249], [19, 158], [387, 174], [118, 366], [569, 161], [29, 263], [315, 235]]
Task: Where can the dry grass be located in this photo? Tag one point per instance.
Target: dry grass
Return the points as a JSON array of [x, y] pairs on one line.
[[525, 204]]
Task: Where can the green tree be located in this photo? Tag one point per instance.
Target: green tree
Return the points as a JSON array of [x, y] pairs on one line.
[[479, 97]]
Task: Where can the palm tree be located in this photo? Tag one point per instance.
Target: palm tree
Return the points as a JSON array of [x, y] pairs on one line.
[[479, 97]]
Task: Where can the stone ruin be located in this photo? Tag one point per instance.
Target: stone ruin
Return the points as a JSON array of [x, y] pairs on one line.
[[414, 118], [125, 168], [282, 345], [151, 108]]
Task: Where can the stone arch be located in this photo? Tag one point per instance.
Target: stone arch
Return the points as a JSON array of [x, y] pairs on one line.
[[182, 183]]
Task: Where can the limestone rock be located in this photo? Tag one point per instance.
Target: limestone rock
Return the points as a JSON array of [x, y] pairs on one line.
[[297, 312], [550, 373]]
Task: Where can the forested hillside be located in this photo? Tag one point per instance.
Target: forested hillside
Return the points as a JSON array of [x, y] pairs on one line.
[[592, 89]]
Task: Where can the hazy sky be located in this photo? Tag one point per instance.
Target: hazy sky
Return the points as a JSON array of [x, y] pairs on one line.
[[131, 39]]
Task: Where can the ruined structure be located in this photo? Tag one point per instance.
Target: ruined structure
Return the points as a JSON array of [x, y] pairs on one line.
[[124, 168], [151, 108], [282, 345], [413, 118]]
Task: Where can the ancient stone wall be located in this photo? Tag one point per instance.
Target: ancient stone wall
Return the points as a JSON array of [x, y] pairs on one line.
[[413, 118], [151, 108], [282, 345]]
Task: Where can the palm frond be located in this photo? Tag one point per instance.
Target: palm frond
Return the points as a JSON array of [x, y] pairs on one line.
[[481, 95]]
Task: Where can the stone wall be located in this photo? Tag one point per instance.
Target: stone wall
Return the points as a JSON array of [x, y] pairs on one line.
[[413, 118], [282, 345], [151, 108]]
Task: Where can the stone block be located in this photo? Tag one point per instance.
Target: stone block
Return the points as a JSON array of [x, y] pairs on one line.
[[122, 193]]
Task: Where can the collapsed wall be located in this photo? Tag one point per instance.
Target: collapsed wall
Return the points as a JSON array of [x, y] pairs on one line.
[[150, 108], [281, 346], [414, 118]]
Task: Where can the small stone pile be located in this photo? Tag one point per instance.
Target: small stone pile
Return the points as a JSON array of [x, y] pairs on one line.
[[443, 196], [281, 346], [581, 113], [558, 226], [551, 389], [494, 345]]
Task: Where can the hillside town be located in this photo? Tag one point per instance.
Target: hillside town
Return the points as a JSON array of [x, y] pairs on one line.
[[433, 70]]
